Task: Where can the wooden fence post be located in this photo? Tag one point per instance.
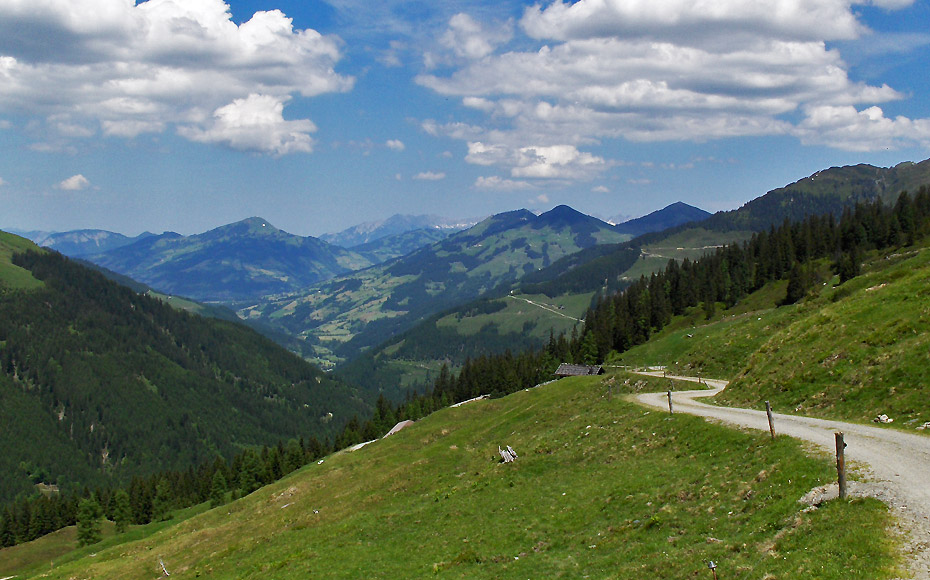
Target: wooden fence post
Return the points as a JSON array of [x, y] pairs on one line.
[[768, 411], [841, 464], [669, 401]]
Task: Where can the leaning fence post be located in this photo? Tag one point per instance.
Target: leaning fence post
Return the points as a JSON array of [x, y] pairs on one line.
[[841, 464], [669, 401], [768, 411]]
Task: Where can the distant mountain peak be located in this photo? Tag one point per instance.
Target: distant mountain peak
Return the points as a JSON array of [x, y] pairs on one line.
[[669, 216], [253, 227], [565, 215], [256, 223]]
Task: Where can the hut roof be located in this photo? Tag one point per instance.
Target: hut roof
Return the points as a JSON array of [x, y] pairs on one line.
[[567, 370], [398, 427]]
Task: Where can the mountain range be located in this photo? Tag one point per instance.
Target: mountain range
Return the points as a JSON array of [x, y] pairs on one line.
[[402, 272], [78, 243], [240, 261], [343, 316], [340, 302], [368, 232]]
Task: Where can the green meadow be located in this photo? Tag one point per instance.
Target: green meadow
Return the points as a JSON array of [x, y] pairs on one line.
[[602, 488]]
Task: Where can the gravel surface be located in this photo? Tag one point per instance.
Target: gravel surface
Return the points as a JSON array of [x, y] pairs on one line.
[[896, 464]]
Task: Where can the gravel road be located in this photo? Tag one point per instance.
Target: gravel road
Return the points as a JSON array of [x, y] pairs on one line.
[[896, 464]]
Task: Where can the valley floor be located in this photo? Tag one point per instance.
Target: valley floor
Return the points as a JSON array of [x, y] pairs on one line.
[[897, 464]]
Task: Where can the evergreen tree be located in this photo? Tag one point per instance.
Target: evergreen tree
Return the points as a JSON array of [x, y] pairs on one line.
[[589, 349], [848, 266], [122, 510], [248, 472], [140, 499], [7, 535], [218, 489], [293, 456], [798, 283], [161, 503], [88, 522]]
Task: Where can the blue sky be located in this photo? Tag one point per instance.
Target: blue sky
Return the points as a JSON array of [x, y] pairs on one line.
[[184, 115]]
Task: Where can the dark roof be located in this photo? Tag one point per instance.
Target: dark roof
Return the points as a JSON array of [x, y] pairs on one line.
[[567, 370]]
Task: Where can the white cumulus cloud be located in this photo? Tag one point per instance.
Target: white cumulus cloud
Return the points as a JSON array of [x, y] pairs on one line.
[[498, 183], [395, 145], [126, 69], [666, 70], [255, 123], [468, 38], [429, 176], [540, 161], [845, 127], [74, 183], [683, 20]]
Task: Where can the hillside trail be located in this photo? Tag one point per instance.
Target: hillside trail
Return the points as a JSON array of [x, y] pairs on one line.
[[546, 307], [895, 465]]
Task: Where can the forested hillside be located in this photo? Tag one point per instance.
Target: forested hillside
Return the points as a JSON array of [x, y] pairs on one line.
[[731, 273], [98, 383]]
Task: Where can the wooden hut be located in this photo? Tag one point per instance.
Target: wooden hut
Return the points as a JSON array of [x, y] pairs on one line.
[[567, 370]]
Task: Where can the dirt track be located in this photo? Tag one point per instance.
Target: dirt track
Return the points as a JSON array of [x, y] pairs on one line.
[[897, 463]]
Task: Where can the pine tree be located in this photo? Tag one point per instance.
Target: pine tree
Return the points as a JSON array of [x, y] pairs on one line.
[[218, 489], [798, 284], [161, 503], [7, 537], [88, 522], [588, 351], [248, 473], [122, 511]]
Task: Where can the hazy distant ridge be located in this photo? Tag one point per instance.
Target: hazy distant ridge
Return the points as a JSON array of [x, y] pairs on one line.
[[368, 232], [240, 261]]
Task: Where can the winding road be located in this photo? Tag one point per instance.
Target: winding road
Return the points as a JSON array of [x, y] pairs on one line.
[[897, 463]]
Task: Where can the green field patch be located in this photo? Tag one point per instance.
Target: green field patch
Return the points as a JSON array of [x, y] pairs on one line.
[[690, 244], [533, 313]]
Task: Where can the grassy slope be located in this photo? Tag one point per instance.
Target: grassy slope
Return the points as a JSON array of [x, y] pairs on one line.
[[719, 348], [850, 352], [858, 350], [58, 548], [601, 489], [13, 276]]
